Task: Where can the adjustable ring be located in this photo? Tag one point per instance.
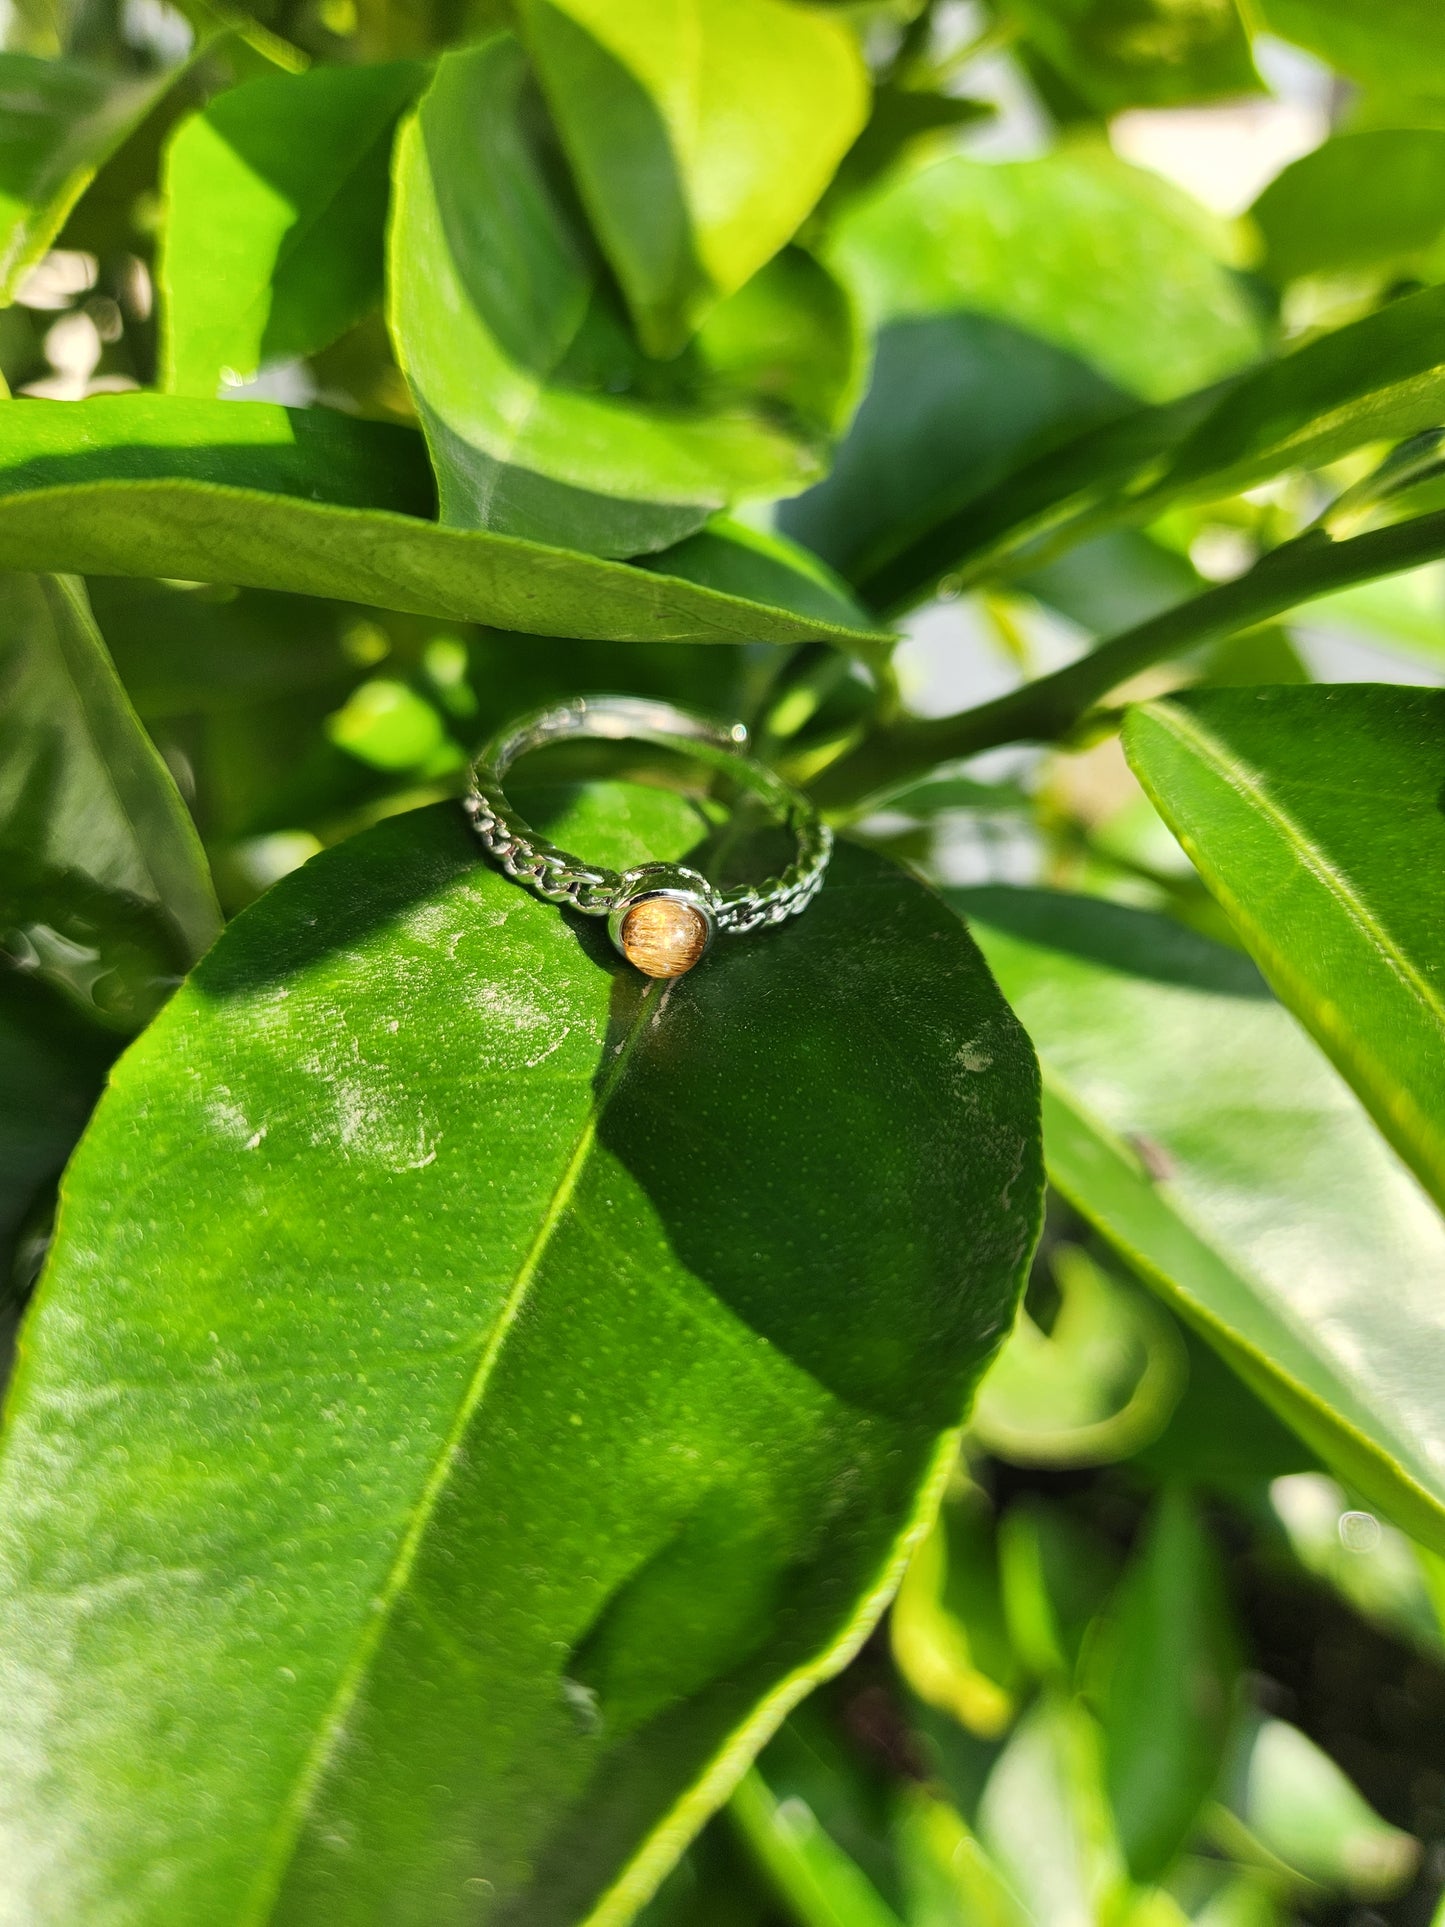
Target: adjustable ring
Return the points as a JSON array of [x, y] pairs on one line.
[[661, 916]]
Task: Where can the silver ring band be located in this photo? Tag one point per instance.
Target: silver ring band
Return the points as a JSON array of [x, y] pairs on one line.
[[701, 908]]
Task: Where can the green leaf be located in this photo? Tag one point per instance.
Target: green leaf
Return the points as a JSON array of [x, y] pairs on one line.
[[1221, 1438], [313, 454], [1161, 313], [761, 567], [1094, 1388], [1288, 1806], [700, 132], [105, 887], [1169, 1665], [1379, 379], [184, 648], [904, 121], [955, 403], [1056, 1574], [1044, 1819], [947, 1627], [950, 1879], [52, 1065], [543, 417], [313, 502], [1365, 200], [62, 120], [1312, 815], [530, 1396], [811, 1874], [1143, 53], [276, 198], [814, 1757], [1187, 1117], [1395, 45]]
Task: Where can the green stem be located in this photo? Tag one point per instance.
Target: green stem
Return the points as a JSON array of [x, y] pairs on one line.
[[1044, 711]]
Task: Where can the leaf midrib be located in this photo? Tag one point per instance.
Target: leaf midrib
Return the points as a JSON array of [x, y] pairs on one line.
[[293, 1814], [1246, 783]]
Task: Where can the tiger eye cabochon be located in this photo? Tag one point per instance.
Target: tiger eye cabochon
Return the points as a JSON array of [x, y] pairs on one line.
[[663, 938]]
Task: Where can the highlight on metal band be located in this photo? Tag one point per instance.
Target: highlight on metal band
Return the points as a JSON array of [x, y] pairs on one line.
[[661, 916]]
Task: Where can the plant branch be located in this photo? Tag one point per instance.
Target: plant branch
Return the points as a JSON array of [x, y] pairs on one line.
[[1044, 711]]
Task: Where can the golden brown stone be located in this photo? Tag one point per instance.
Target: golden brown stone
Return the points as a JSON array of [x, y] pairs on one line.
[[663, 938]]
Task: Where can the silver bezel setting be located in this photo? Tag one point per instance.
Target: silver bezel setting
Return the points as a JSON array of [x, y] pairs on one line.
[[673, 883]]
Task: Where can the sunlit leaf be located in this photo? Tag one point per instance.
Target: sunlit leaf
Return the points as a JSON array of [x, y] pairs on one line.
[[1395, 44], [1362, 200], [1044, 1818], [62, 120], [1381, 378], [1312, 815], [1158, 314], [276, 209], [701, 132], [1191, 1121], [528, 1341], [543, 417], [1286, 1804], [947, 1627], [949, 1878], [313, 502], [811, 1874]]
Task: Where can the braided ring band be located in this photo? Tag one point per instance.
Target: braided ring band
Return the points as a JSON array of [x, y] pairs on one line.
[[661, 916]]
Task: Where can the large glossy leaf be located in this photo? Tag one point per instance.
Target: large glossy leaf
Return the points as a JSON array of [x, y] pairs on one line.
[[313, 502], [529, 1395], [544, 418], [276, 200], [103, 882], [1362, 200], [1381, 378], [1313, 815], [62, 120], [1394, 44], [1190, 1120], [700, 132], [1143, 53]]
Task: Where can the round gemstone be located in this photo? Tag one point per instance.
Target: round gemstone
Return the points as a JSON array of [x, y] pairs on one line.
[[663, 938]]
